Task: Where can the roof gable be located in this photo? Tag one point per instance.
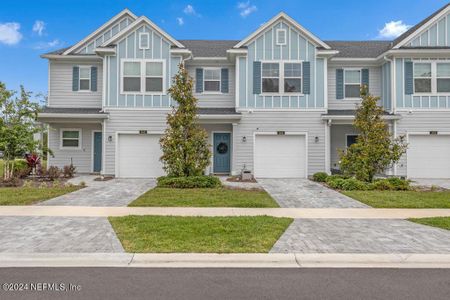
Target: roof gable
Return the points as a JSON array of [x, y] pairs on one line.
[[282, 17], [88, 44], [429, 28], [138, 23]]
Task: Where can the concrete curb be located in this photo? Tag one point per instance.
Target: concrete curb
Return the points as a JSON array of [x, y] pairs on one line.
[[213, 260]]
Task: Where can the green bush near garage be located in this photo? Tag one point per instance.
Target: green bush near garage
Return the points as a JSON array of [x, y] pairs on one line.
[[189, 182]]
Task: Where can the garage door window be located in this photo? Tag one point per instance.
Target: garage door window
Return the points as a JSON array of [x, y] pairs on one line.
[[70, 138]]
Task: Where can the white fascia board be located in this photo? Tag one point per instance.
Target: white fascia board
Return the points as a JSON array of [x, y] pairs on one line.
[[111, 21], [180, 51], [237, 51], [105, 50], [418, 52], [327, 53], [71, 57], [275, 19], [77, 116], [421, 28], [135, 24], [219, 117]]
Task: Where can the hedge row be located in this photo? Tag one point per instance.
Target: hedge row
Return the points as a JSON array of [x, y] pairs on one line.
[[340, 182], [189, 182]]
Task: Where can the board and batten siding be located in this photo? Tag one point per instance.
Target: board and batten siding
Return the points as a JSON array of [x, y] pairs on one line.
[[386, 89], [128, 47], [60, 88], [89, 46], [437, 34], [264, 48], [421, 122], [374, 86], [206, 99], [290, 122], [81, 158], [416, 101]]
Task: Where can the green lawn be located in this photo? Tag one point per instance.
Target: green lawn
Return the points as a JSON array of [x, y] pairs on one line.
[[441, 222], [218, 197], [169, 234], [401, 199], [31, 195]]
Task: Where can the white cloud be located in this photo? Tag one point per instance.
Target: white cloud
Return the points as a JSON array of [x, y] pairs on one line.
[[393, 29], [39, 27], [245, 8], [189, 10], [48, 45], [180, 21], [9, 33]]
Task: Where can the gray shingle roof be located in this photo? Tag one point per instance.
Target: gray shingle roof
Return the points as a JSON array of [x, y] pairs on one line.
[[360, 49], [71, 110], [209, 48]]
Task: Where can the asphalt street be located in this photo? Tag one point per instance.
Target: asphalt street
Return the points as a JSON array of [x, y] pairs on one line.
[[151, 283]]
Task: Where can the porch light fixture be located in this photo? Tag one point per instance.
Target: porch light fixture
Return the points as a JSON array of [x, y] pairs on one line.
[[244, 139], [110, 138], [316, 139]]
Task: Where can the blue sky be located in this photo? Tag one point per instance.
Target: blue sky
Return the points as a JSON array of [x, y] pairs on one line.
[[31, 28]]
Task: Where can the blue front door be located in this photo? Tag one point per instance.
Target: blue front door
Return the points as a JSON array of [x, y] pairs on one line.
[[97, 151], [222, 152]]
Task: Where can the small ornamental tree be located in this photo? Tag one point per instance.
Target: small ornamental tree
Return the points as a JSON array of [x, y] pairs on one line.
[[375, 150], [17, 127], [184, 145]]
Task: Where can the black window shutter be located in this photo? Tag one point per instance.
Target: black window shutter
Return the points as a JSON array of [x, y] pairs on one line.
[[93, 79], [75, 78], [339, 83], [199, 80], [224, 80]]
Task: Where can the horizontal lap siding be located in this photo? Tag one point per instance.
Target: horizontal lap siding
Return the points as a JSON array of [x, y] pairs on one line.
[[374, 86], [215, 100], [81, 158], [309, 122], [421, 122], [338, 141], [61, 94]]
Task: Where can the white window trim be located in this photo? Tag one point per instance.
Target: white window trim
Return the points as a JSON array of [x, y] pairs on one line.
[[80, 134], [285, 37], [360, 82], [148, 40], [281, 77], [205, 92], [433, 78], [143, 76], [79, 79]]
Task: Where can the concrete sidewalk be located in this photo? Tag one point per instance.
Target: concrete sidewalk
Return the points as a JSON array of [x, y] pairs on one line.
[[303, 213], [213, 260]]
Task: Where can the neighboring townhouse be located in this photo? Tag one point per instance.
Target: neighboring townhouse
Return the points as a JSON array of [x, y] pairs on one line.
[[279, 103]]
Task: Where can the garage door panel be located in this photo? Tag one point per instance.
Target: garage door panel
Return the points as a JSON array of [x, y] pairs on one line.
[[280, 156], [138, 156], [428, 156]]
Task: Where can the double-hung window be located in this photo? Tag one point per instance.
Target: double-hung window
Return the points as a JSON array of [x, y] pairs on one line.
[[211, 80], [70, 138], [443, 77], [143, 76], [285, 78], [422, 78], [85, 79], [352, 83]]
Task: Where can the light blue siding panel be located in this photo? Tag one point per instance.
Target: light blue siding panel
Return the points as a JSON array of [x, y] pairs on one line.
[[408, 101], [276, 102], [302, 42], [268, 102], [294, 101], [129, 100], [259, 48], [90, 48], [156, 101], [448, 102], [434, 102], [259, 102], [433, 35], [139, 101], [130, 44], [113, 71], [276, 48], [441, 32], [416, 101], [448, 30], [442, 102], [294, 45], [424, 39], [115, 30], [107, 35], [268, 45], [285, 102], [415, 42], [302, 101], [425, 102], [284, 49], [320, 83], [157, 46], [147, 101], [99, 41], [166, 56], [139, 52], [251, 58], [242, 80], [399, 81], [312, 59], [123, 24], [121, 101]]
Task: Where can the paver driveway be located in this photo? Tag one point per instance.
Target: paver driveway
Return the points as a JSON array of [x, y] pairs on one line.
[[361, 236], [114, 192], [58, 235], [305, 193]]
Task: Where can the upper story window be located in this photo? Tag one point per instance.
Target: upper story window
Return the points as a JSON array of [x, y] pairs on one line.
[[144, 40], [85, 79], [211, 80], [70, 139], [352, 83], [422, 78], [443, 77], [288, 73], [281, 37], [432, 77], [142, 76]]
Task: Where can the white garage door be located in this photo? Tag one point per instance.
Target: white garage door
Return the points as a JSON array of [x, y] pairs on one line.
[[280, 156], [428, 156], [138, 156]]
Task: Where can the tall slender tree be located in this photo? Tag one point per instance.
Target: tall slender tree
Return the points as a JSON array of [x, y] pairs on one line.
[[184, 145], [375, 149]]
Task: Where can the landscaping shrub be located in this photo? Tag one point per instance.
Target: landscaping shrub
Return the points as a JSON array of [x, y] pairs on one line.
[[382, 185], [320, 176], [21, 169], [53, 173], [189, 182], [353, 184], [399, 184], [69, 171], [335, 182]]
